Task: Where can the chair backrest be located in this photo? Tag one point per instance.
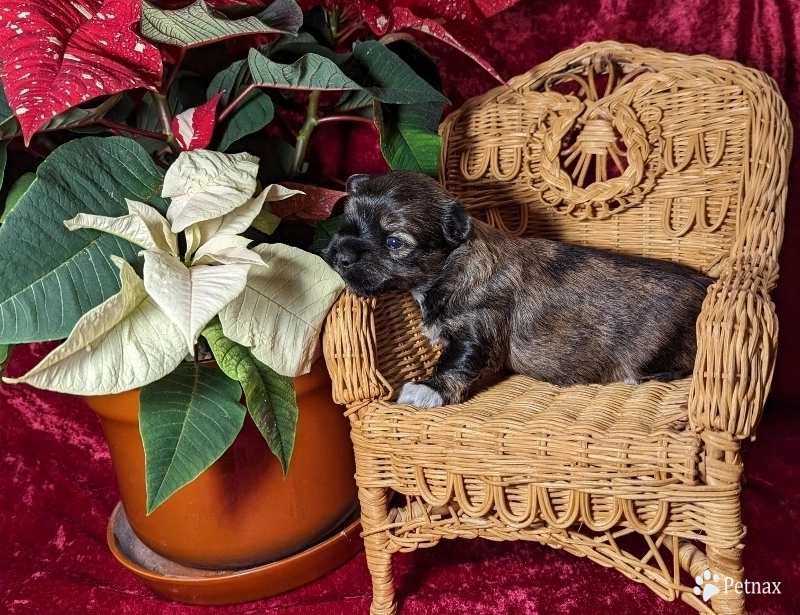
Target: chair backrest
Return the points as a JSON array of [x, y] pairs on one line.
[[629, 149]]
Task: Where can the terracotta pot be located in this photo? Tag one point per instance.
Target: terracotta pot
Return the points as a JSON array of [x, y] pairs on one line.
[[241, 512]]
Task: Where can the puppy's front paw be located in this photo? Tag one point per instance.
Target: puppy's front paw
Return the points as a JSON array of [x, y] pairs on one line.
[[419, 395]]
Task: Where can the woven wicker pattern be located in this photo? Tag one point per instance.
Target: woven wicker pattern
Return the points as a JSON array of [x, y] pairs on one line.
[[531, 432], [632, 150]]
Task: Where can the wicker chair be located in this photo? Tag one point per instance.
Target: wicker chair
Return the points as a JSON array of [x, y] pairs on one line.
[[632, 150]]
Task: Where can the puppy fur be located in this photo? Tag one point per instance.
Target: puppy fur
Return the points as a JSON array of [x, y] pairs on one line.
[[556, 312]]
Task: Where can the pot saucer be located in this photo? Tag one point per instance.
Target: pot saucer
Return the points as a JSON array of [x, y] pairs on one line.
[[199, 586]]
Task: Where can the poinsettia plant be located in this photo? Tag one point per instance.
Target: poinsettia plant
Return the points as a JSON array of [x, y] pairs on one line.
[[145, 234]]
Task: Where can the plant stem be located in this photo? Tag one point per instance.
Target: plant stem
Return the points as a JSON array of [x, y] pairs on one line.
[[333, 23], [348, 31], [301, 147], [166, 121], [235, 102], [343, 118], [173, 71], [132, 129]]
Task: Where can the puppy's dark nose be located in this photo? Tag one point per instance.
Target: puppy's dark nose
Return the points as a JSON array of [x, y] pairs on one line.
[[345, 258]]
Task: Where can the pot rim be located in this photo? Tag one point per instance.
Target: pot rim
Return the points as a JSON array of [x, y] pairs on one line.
[[350, 532]]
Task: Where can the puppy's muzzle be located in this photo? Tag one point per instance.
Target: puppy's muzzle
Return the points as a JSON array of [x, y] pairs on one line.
[[342, 257], [345, 258]]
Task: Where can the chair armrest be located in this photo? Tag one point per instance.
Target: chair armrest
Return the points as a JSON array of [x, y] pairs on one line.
[[350, 348], [737, 338]]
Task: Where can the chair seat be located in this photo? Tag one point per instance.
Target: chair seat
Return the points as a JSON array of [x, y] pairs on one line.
[[522, 431]]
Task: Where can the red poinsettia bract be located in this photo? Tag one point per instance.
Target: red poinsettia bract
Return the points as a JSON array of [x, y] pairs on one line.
[[456, 22], [194, 128], [315, 204], [60, 53]]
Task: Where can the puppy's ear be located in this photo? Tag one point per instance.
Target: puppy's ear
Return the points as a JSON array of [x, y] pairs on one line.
[[457, 223], [354, 182]]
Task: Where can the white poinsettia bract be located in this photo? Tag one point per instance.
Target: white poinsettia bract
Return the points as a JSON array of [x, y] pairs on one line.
[[143, 332]]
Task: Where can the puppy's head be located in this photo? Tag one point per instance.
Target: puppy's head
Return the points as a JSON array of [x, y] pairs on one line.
[[399, 229]]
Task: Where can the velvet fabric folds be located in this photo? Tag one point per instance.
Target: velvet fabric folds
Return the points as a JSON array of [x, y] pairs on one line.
[[57, 487]]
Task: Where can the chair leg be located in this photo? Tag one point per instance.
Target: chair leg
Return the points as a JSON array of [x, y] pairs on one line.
[[727, 563], [724, 467], [374, 512]]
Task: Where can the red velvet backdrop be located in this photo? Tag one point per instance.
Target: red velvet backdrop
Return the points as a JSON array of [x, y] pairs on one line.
[[56, 482]]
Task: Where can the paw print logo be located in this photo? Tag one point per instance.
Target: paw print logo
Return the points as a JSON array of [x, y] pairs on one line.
[[706, 585]]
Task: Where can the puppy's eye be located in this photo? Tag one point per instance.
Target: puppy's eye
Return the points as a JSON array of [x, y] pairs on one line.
[[394, 243]]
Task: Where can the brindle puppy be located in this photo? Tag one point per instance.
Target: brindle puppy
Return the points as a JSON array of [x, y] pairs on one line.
[[556, 312]]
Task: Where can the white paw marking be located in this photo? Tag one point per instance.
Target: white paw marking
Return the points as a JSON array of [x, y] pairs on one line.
[[419, 395], [706, 582], [630, 381]]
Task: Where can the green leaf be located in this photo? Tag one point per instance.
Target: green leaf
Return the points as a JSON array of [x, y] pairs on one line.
[[228, 81], [5, 355], [151, 146], [187, 421], [291, 50], [315, 23], [91, 129], [147, 115], [277, 420], [325, 231], [78, 116], [50, 276], [72, 118], [187, 91], [409, 140], [283, 16], [387, 77], [270, 397], [3, 158], [197, 24], [420, 61], [310, 72], [18, 188], [354, 99], [8, 122], [251, 115], [120, 112], [287, 40], [276, 161]]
